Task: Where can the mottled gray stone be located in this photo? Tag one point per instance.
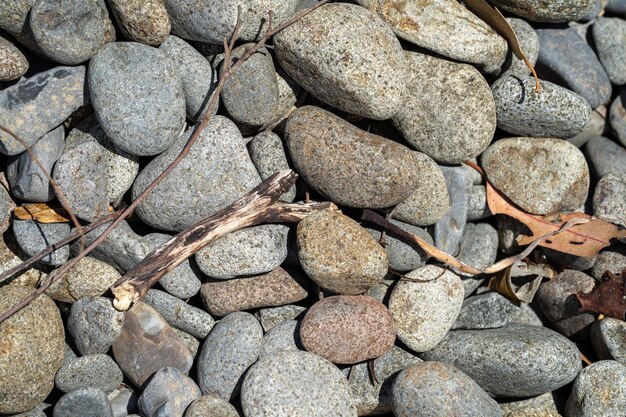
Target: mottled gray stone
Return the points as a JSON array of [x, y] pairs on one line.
[[13, 64], [347, 57], [529, 43], [477, 200], [33, 350], [543, 405], [445, 27], [568, 56], [478, 248], [192, 192], [374, 398], [346, 164], [79, 175], [84, 402], [426, 307], [121, 167], [36, 105], [168, 394], [541, 175], [227, 353], [511, 361], [147, 344], [70, 31], [609, 36], [15, 19], [448, 111], [338, 254], [28, 182], [527, 314], [553, 11], [595, 127], [179, 314], [608, 337], [284, 336], [430, 389], [617, 118], [68, 355], [485, 311], [7, 205], [256, 21], [429, 201], [211, 406], [251, 251], [137, 97], [554, 111], [271, 317], [97, 371], [196, 75], [33, 237], [210, 22], [94, 324], [449, 229], [616, 6], [605, 157], [191, 342], [287, 383], [144, 21], [123, 401], [90, 277], [402, 256], [609, 260], [609, 198], [269, 155], [599, 390]]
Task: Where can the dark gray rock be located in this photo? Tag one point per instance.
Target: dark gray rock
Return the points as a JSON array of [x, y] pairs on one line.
[[15, 19], [529, 43], [448, 111], [211, 406], [485, 311], [563, 52], [609, 198], [598, 391], [296, 383], [70, 32], [227, 353], [541, 175], [269, 155], [36, 105], [196, 75], [609, 36], [33, 237], [402, 256], [96, 371], [207, 22], [79, 175], [511, 361], [478, 248], [284, 336], [616, 6], [347, 57], [94, 324], [554, 111], [84, 402], [251, 251], [430, 389], [28, 181], [123, 401], [617, 118], [13, 64], [608, 337], [605, 157], [141, 21], [179, 314], [449, 230], [192, 192], [553, 12], [168, 394], [137, 97]]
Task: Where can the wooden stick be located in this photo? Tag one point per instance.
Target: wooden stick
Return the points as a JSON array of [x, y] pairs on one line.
[[258, 206]]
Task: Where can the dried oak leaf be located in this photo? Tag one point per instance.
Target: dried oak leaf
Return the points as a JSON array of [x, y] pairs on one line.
[[42, 213], [608, 297]]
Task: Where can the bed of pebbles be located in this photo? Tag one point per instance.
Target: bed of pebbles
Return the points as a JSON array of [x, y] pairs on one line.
[[375, 104]]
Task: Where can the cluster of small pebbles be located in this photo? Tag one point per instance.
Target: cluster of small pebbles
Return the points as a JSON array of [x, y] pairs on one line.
[[375, 104]]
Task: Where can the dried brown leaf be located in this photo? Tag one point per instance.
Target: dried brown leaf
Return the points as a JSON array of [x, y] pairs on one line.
[[502, 284], [492, 16], [608, 297], [42, 213]]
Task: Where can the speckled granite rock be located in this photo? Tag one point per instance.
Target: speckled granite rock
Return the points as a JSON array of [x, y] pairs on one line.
[[609, 198], [329, 53], [284, 336], [94, 325], [539, 175], [211, 406], [168, 394], [144, 21], [269, 155], [599, 390], [90, 277], [605, 157], [33, 237], [402, 256], [13, 63], [270, 317], [608, 337], [609, 35], [617, 118], [448, 111], [85, 402], [485, 311], [97, 371], [553, 12], [258, 12], [529, 42]]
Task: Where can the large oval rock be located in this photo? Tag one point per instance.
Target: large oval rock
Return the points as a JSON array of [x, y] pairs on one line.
[[547, 11], [137, 97], [192, 192], [287, 384], [448, 111], [31, 350], [338, 254], [207, 20], [609, 35], [425, 308], [438, 389], [539, 175], [144, 21], [554, 111], [348, 329], [349, 166], [445, 27], [512, 361], [599, 390], [346, 56]]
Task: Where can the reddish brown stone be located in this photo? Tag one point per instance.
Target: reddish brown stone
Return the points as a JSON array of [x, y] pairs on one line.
[[348, 329]]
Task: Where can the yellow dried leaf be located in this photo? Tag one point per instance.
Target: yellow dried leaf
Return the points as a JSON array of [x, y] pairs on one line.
[[42, 213]]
